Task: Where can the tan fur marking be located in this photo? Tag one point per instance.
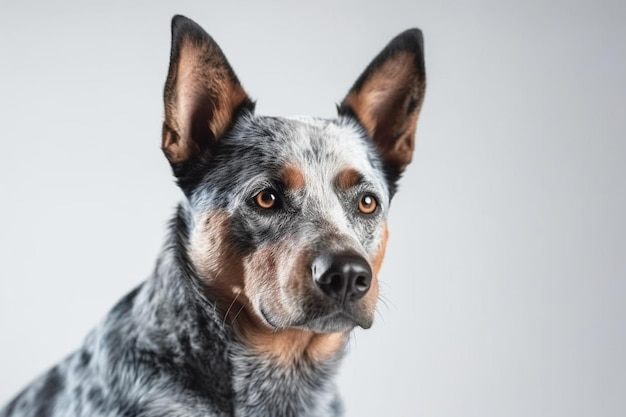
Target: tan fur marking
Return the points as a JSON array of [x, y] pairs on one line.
[[292, 177], [287, 347], [215, 261], [347, 179], [377, 260]]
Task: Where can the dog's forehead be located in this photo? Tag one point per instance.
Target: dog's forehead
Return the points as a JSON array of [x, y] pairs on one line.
[[329, 140], [320, 147]]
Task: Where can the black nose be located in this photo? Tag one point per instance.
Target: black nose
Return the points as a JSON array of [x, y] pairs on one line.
[[342, 276]]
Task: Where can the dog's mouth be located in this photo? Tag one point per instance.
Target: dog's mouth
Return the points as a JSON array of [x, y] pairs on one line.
[[337, 320]]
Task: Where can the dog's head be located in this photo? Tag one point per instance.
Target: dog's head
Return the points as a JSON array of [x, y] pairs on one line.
[[289, 215]]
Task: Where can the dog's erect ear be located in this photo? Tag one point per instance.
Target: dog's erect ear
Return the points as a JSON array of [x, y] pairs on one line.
[[202, 94], [387, 98]]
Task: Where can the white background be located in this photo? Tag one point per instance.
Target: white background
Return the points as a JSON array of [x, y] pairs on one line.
[[505, 280]]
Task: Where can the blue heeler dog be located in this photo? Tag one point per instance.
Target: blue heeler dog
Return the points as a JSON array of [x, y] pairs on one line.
[[272, 257]]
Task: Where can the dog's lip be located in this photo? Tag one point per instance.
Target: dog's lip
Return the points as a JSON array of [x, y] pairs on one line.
[[310, 321], [339, 317], [358, 317], [362, 322], [338, 321]]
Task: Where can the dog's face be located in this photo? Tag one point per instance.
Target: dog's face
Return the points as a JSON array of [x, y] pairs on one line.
[[289, 215], [292, 204]]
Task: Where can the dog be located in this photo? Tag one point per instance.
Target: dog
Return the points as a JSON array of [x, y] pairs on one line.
[[271, 260]]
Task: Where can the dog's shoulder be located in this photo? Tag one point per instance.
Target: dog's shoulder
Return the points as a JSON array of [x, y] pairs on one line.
[[125, 367]]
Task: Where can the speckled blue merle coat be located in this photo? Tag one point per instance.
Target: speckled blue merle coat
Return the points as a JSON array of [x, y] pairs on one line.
[[271, 260]]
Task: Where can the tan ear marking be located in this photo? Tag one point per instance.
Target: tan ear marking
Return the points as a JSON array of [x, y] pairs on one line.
[[387, 98], [202, 93]]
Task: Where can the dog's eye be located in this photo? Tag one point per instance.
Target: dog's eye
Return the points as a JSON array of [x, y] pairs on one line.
[[266, 199], [367, 204]]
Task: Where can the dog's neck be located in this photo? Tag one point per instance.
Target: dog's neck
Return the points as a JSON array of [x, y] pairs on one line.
[[240, 359]]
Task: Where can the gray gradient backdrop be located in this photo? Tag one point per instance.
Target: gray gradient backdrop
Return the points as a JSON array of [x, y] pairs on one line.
[[505, 280]]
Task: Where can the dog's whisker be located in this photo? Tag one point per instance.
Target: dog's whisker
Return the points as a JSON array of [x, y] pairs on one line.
[[230, 307], [379, 314], [385, 302], [383, 298], [237, 315], [383, 284]]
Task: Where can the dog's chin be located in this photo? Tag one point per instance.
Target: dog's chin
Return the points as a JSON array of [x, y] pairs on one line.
[[336, 322]]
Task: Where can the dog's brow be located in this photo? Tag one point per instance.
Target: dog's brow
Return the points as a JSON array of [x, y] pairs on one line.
[[292, 177], [348, 178]]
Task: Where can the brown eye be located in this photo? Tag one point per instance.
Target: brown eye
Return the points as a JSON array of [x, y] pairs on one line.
[[266, 199], [367, 204]]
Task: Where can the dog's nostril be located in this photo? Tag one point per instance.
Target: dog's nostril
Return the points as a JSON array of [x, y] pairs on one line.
[[342, 276], [362, 283]]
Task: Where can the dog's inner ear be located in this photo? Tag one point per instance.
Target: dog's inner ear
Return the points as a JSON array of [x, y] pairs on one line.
[[202, 94], [387, 98]]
